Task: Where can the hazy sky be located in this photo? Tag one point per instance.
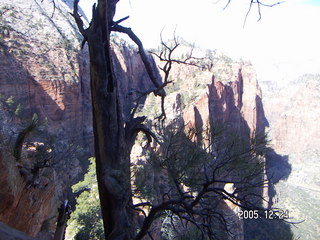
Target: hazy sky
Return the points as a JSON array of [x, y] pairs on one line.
[[283, 44]]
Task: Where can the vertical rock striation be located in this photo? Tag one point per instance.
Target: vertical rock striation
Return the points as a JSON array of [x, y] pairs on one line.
[[236, 103], [293, 113], [42, 71]]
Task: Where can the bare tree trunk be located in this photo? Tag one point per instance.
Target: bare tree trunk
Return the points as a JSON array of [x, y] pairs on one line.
[[64, 214], [111, 151]]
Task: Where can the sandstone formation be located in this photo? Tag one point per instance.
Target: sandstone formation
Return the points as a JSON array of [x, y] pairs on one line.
[[131, 74], [227, 97], [236, 103], [293, 112], [7, 233], [23, 207], [42, 71], [42, 67]]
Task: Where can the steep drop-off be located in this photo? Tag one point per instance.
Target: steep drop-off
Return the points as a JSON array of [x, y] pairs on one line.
[[228, 97], [293, 113], [43, 71]]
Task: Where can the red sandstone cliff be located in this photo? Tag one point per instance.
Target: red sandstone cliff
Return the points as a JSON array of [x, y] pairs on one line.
[[43, 70], [228, 93], [24, 208], [293, 112], [203, 98], [236, 103]]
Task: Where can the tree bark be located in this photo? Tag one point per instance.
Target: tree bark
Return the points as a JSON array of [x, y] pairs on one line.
[[111, 151]]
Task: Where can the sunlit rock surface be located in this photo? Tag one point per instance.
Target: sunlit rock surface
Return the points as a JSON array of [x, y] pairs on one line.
[[43, 68], [44, 72]]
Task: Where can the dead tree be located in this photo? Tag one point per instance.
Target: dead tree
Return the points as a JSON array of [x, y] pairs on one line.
[[196, 180], [64, 214], [258, 4], [114, 137], [34, 123]]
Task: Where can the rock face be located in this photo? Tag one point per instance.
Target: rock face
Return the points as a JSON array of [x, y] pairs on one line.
[[7, 233], [42, 67], [228, 93], [293, 113], [236, 107], [294, 120], [131, 74], [231, 101], [43, 72], [236, 103], [21, 204]]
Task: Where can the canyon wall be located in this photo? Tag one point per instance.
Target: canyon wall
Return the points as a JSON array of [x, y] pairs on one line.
[[42, 67], [236, 103], [226, 97], [292, 110], [44, 72]]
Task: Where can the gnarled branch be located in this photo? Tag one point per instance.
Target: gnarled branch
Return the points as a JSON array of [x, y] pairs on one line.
[[144, 57]]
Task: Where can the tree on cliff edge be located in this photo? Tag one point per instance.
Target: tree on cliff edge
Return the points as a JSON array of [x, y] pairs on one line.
[[111, 133], [114, 136]]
